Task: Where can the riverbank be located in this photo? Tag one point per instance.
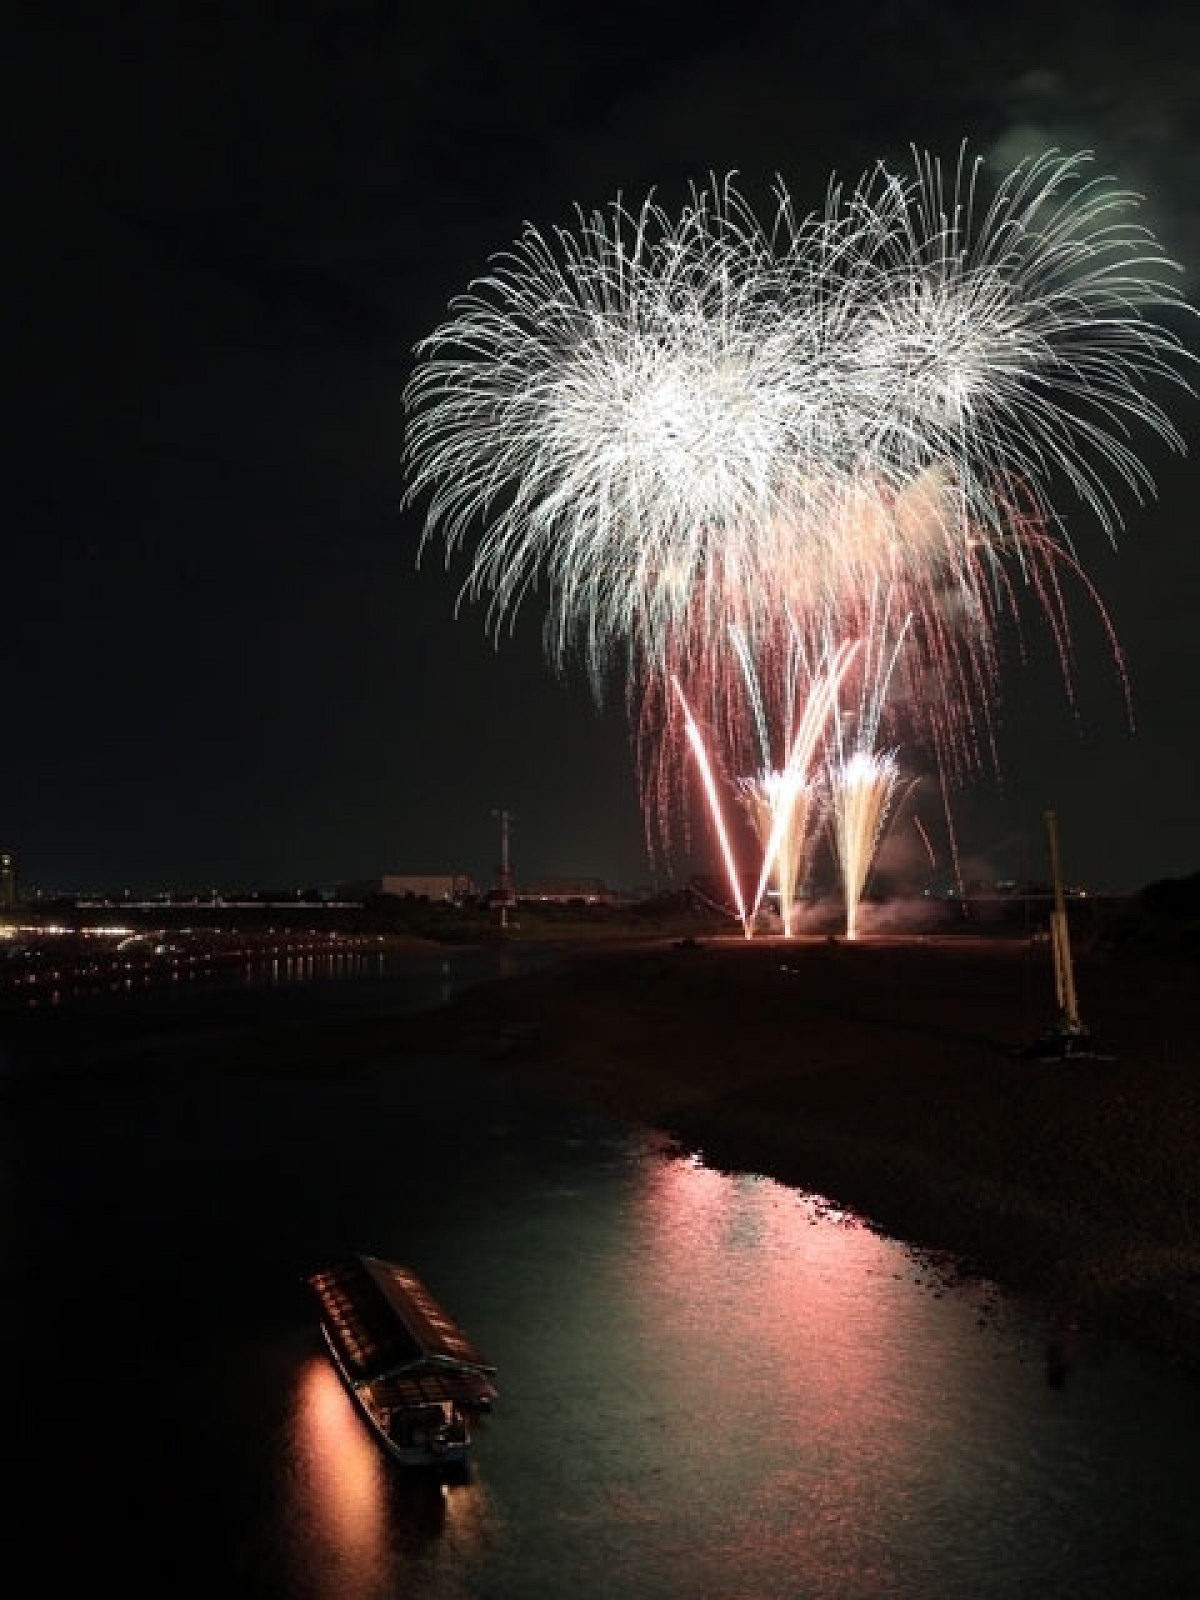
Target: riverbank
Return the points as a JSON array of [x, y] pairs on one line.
[[881, 1076], [708, 1385]]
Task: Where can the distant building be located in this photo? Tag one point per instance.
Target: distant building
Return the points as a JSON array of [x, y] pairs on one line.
[[428, 885], [451, 887], [569, 891], [8, 881]]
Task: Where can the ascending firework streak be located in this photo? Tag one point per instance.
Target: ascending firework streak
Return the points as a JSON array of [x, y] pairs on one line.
[[782, 800], [711, 794], [762, 796], [703, 426], [787, 787], [819, 706]]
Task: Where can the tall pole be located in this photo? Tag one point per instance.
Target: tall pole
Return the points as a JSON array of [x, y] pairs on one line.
[[1060, 937], [505, 874]]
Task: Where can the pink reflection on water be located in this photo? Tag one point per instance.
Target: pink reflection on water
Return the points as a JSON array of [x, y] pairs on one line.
[[772, 1317], [749, 1263]]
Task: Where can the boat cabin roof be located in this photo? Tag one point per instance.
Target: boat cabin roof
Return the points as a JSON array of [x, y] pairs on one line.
[[421, 1387], [383, 1319]]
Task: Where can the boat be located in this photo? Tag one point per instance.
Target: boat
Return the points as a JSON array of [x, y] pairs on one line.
[[411, 1370]]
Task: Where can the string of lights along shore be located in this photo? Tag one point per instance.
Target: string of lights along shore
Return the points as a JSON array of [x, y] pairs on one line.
[[788, 471]]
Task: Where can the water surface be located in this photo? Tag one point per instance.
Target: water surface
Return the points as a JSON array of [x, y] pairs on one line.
[[710, 1385]]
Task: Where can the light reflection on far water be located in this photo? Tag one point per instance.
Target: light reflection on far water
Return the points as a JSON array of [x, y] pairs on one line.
[[714, 1385], [787, 1352]]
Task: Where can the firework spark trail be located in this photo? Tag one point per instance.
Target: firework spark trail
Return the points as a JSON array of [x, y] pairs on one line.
[[940, 700], [952, 837], [696, 740], [920, 827]]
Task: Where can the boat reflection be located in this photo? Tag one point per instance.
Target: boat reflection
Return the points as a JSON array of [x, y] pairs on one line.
[[337, 1519], [354, 1527]]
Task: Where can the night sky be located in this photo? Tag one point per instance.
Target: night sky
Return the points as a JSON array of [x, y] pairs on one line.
[[228, 225]]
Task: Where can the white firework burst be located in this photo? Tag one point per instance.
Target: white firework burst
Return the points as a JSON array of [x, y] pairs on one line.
[[681, 425], [612, 411], [1009, 338]]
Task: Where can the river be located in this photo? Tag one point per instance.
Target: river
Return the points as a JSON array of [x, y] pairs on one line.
[[711, 1385]]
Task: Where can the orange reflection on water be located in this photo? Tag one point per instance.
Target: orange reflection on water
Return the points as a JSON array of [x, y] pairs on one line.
[[357, 1527], [340, 1500]]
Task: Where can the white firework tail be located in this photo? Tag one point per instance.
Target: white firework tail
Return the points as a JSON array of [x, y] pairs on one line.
[[862, 788]]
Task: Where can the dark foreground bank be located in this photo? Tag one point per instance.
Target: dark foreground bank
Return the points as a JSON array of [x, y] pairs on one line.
[[881, 1075]]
